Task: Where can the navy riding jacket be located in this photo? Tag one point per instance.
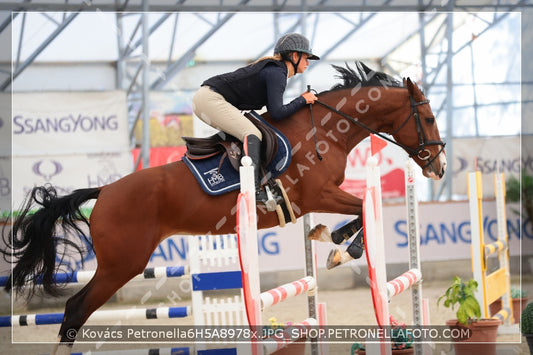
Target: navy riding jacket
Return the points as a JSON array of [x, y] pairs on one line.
[[257, 85]]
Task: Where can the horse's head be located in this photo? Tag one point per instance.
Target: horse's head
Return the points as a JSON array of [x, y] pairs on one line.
[[419, 134], [416, 132]]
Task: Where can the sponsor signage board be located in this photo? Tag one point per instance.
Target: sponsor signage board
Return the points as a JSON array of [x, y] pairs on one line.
[[69, 122]]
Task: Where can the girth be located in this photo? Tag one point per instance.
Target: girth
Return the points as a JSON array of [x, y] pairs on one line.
[[230, 146]]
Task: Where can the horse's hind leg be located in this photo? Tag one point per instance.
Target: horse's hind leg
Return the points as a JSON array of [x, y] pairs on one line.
[[80, 306]]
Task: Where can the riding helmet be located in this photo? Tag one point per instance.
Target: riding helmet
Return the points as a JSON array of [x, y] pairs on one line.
[[294, 42]]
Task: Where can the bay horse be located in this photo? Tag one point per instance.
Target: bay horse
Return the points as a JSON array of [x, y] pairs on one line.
[[131, 216]]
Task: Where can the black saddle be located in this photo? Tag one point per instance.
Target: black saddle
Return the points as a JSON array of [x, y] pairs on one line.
[[230, 147]]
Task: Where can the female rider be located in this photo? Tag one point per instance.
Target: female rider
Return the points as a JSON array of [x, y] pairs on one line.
[[220, 99]]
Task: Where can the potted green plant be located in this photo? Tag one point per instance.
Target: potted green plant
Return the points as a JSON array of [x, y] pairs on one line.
[[526, 325], [483, 331]]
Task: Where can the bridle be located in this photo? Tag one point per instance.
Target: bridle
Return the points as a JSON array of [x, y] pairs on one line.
[[421, 151]]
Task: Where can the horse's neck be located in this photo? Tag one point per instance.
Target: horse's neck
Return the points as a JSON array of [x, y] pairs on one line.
[[374, 107]]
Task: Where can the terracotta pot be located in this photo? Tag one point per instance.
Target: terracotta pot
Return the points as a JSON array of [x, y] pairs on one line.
[[518, 305], [483, 339]]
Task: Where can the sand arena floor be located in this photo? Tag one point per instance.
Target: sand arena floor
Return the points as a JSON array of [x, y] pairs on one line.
[[344, 307]]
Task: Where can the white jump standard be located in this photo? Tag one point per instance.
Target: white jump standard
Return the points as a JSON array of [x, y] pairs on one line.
[[383, 291], [255, 301]]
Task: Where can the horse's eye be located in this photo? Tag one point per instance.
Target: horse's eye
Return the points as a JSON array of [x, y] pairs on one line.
[[430, 120]]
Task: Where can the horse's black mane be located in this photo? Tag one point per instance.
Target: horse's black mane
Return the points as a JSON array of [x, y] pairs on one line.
[[362, 76]]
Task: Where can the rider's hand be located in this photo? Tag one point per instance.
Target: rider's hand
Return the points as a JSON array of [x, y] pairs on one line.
[[309, 97]]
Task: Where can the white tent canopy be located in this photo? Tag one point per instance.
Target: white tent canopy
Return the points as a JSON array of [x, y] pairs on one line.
[[473, 53]]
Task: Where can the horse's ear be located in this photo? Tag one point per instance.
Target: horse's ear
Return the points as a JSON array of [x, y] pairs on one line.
[[414, 91], [410, 86]]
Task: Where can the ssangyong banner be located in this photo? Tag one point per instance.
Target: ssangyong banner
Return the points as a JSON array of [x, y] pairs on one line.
[[445, 234], [69, 123], [488, 155], [68, 172]]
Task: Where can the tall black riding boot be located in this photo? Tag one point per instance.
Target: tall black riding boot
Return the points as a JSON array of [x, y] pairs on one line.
[[254, 152]]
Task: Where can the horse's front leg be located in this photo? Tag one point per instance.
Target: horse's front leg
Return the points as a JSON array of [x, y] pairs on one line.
[[334, 200], [337, 257], [322, 233], [340, 201]]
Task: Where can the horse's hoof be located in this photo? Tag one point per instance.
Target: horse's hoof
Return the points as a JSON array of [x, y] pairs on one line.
[[320, 232], [334, 259]]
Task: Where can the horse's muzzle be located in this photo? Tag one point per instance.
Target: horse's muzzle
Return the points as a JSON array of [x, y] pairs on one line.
[[437, 168]]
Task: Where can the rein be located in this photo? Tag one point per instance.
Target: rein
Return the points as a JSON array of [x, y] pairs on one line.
[[422, 142], [313, 126]]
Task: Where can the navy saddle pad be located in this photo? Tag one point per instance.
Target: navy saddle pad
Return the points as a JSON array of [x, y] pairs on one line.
[[217, 179]]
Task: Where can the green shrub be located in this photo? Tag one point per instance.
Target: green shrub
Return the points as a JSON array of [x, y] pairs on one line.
[[521, 191], [526, 323]]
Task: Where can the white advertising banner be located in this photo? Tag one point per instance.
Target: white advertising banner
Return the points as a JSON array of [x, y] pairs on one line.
[[5, 153], [444, 234], [69, 123], [5, 125], [489, 155], [68, 172], [5, 185]]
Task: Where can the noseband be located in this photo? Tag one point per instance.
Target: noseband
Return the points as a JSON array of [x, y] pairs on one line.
[[421, 152]]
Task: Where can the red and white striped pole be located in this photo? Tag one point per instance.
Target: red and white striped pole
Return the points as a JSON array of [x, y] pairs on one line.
[[285, 291]]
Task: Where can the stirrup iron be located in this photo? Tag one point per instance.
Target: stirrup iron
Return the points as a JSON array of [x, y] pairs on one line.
[[270, 203]]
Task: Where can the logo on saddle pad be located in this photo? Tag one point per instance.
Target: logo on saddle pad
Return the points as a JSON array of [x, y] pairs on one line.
[[214, 177]]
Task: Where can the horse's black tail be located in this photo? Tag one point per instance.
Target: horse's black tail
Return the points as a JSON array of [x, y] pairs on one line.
[[33, 242]]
